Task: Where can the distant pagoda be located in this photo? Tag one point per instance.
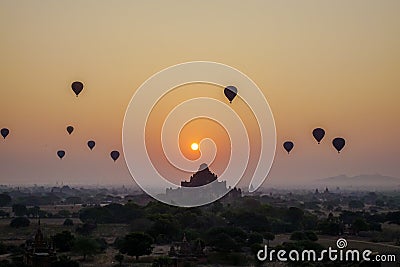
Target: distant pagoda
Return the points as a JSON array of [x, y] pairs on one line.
[[202, 177], [203, 186], [39, 252]]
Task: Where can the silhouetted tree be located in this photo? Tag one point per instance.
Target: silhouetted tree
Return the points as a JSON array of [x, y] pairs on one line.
[[255, 238], [312, 236], [63, 241], [86, 247], [136, 244], [295, 215], [19, 209], [33, 212], [223, 242], [68, 222], [20, 222], [329, 228], [269, 237], [87, 228], [5, 199], [165, 225], [298, 236], [358, 225]]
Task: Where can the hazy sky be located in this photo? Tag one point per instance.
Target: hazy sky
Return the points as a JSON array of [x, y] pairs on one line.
[[330, 64]]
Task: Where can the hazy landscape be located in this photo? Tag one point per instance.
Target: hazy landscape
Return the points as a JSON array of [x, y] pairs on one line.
[[228, 232]]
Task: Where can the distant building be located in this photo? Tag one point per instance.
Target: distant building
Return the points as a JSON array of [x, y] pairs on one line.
[[202, 185], [184, 249], [202, 177], [39, 252]]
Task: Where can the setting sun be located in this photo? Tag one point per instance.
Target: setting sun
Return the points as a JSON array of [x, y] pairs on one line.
[[194, 146]]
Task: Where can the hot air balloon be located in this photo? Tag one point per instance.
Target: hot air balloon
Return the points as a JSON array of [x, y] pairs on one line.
[[318, 134], [70, 129], [91, 144], [4, 132], [288, 146], [114, 155], [60, 153], [338, 143], [230, 92], [77, 87]]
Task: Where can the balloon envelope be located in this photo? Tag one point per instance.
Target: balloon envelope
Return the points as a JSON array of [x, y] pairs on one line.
[[114, 155], [230, 92], [288, 146], [60, 153], [318, 134], [4, 132], [77, 87], [91, 144], [338, 143], [70, 129]]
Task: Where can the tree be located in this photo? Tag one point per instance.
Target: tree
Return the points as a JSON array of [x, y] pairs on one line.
[[19, 209], [63, 241], [298, 236], [269, 237], [68, 222], [86, 247], [136, 244], [255, 238], [358, 225], [33, 212], [5, 199], [64, 213], [87, 228], [20, 222], [4, 214], [165, 225], [237, 238], [294, 215], [223, 242], [312, 236], [120, 258], [329, 228]]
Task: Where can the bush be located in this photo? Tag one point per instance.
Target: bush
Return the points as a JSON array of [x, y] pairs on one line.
[[312, 236], [20, 222], [298, 236], [307, 235]]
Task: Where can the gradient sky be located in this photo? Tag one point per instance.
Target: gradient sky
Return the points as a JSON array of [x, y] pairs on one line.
[[330, 64]]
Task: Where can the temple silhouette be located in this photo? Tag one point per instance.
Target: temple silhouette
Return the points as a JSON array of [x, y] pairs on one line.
[[202, 186], [39, 251], [202, 177]]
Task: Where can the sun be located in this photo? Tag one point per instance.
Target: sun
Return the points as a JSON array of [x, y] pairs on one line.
[[194, 146]]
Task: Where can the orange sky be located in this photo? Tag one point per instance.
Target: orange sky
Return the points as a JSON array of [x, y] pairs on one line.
[[330, 64]]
